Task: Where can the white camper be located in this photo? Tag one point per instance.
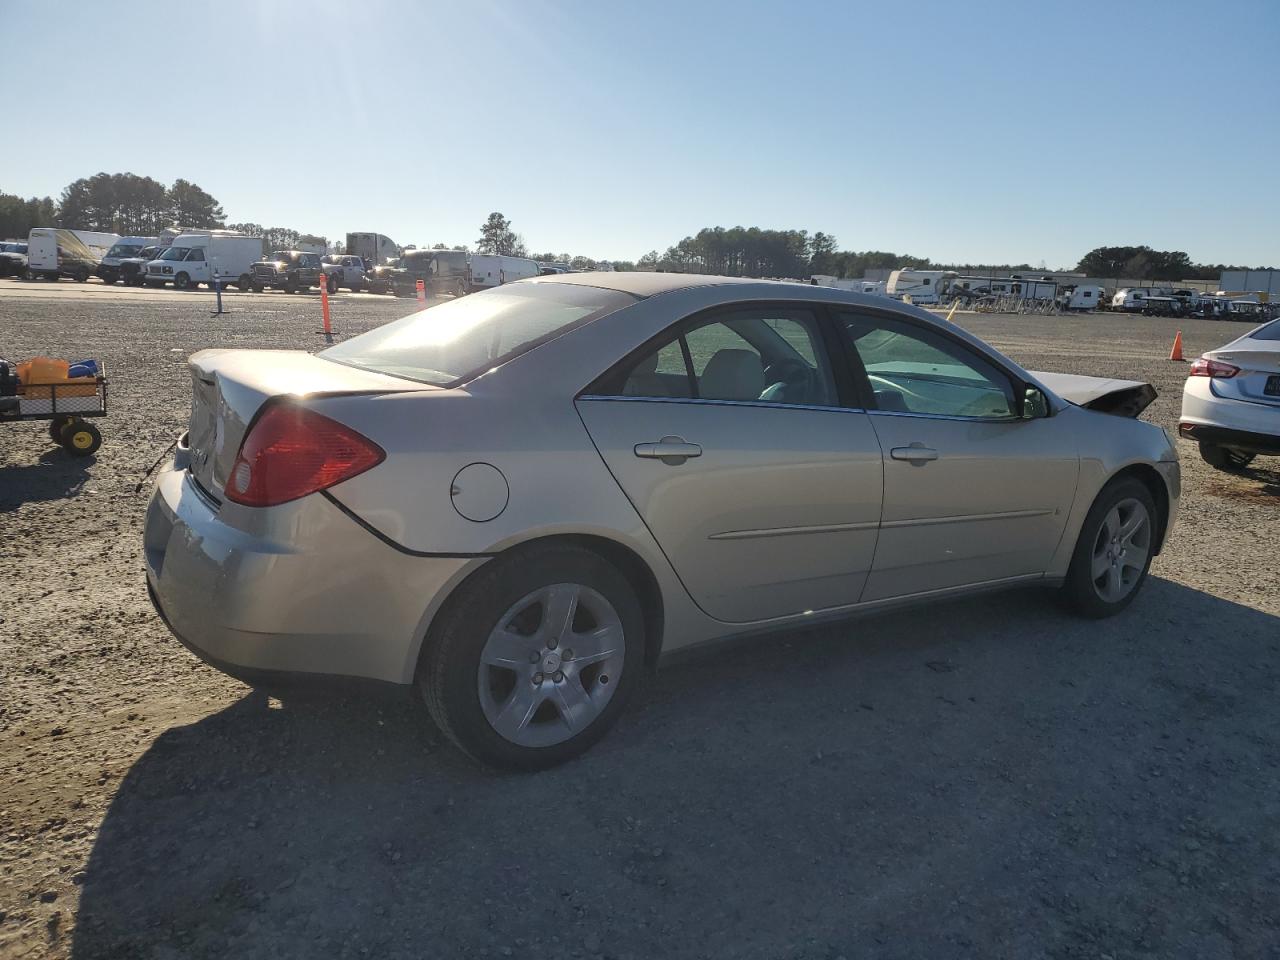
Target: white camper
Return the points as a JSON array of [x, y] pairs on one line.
[[491, 270], [1132, 299], [372, 246], [920, 285], [53, 252], [1084, 297], [196, 258]]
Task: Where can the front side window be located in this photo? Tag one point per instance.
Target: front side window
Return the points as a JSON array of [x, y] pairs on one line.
[[763, 354], [463, 338], [917, 371], [175, 253], [196, 254]]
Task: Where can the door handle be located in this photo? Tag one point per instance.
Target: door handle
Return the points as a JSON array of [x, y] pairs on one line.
[[916, 453], [672, 451]]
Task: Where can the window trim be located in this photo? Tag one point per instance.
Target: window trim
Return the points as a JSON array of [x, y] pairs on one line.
[[849, 397]]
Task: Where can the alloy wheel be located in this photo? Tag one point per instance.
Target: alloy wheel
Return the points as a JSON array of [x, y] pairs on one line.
[[1121, 550], [551, 665]]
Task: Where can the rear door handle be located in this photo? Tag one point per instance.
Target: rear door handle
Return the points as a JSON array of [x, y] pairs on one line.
[[672, 451], [916, 453]]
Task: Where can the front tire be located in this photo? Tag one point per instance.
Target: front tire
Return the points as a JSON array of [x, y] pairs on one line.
[[534, 658], [1114, 550], [1225, 458], [243, 283], [182, 281]]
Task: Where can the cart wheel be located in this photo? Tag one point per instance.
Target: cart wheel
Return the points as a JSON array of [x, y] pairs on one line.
[[82, 439], [58, 424]]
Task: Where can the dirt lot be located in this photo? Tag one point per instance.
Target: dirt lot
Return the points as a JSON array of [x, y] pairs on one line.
[[989, 778]]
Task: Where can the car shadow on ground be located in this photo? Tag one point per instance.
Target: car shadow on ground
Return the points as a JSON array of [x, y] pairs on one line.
[[55, 476], [983, 778]]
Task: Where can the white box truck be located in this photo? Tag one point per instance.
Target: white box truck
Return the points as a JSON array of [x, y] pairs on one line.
[[53, 252], [196, 258]]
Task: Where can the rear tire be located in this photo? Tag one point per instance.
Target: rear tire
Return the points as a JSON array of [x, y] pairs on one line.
[[462, 692], [57, 425], [1225, 458], [81, 439], [1110, 564]]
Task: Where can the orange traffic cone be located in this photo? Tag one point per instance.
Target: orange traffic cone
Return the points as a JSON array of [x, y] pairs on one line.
[[1176, 352]]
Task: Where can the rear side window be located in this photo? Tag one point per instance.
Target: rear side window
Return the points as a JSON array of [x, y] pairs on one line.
[[1270, 332], [458, 340], [759, 354]]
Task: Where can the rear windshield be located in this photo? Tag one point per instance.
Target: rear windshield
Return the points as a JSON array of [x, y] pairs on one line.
[[460, 339], [1270, 332]]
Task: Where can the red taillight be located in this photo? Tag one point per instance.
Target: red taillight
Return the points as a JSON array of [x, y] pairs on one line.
[[1204, 367], [291, 451]]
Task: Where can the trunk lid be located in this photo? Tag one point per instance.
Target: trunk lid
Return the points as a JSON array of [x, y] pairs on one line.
[[1259, 365], [228, 387]]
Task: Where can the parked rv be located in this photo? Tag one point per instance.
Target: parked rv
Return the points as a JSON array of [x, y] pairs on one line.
[[920, 285], [372, 247], [1133, 299], [491, 270], [346, 270], [122, 249], [196, 258], [287, 270], [53, 252], [1081, 297]]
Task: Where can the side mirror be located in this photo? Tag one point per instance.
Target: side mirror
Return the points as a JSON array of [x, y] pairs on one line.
[[1035, 404]]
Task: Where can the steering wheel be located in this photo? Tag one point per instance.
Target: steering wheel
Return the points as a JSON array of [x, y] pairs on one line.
[[789, 379]]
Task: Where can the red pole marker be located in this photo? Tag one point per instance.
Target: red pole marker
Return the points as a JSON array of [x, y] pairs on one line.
[[422, 292], [324, 304]]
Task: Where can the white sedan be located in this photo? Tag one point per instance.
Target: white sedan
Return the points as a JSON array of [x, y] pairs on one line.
[[1231, 402]]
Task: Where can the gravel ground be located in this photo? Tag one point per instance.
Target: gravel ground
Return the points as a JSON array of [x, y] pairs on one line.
[[987, 778]]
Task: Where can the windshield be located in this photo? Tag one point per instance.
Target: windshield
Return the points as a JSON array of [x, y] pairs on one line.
[[124, 250], [174, 253], [461, 339]]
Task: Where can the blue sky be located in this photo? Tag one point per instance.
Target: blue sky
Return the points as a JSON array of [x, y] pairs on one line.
[[986, 131]]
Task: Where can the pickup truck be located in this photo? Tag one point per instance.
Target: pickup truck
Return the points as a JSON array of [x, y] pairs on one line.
[[13, 258], [346, 270], [382, 278], [287, 270]]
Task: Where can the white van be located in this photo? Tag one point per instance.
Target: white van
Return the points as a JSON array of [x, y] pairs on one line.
[[491, 270], [122, 249], [53, 252], [196, 258]]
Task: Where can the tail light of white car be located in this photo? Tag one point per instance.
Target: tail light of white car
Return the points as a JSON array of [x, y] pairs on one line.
[[291, 451], [1204, 367]]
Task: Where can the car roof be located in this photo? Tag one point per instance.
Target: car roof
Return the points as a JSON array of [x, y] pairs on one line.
[[640, 283]]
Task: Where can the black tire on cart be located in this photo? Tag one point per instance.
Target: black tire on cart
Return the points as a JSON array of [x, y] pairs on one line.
[[81, 439], [57, 425]]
